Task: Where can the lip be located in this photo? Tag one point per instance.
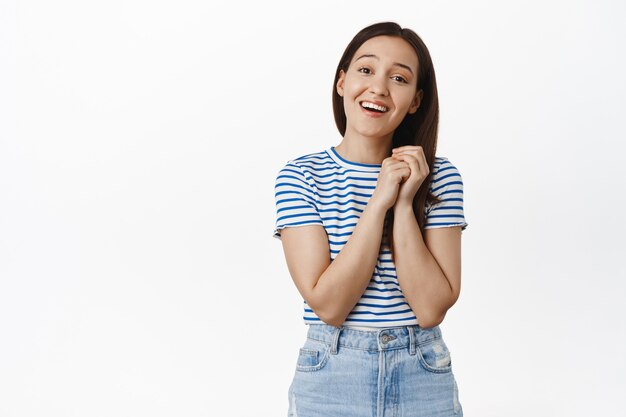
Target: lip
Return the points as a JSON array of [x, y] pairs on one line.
[[378, 103], [371, 113]]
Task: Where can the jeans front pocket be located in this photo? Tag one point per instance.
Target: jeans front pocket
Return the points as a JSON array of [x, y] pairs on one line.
[[434, 355], [312, 356]]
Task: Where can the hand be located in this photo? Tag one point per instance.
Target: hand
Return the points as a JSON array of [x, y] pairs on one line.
[[392, 173], [414, 156]]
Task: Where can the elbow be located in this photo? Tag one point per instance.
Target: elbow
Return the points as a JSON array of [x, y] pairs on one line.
[[430, 320], [325, 312], [334, 322], [325, 316], [427, 324], [331, 319]]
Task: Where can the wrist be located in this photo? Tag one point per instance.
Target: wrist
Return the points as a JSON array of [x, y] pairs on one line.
[[403, 206], [374, 206]]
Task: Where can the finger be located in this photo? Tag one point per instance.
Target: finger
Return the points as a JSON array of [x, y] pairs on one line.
[[411, 160], [414, 152], [421, 160], [404, 172], [397, 164], [404, 157], [424, 165], [412, 164], [405, 148]]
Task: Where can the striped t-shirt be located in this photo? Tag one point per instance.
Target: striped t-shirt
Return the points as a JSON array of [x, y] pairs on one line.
[[324, 188]]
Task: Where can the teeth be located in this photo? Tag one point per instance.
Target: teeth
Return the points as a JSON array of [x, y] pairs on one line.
[[369, 105]]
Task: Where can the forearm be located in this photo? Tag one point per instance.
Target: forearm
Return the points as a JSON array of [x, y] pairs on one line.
[[345, 280], [423, 283]]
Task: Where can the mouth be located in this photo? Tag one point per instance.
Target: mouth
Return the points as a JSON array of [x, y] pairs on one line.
[[373, 109], [368, 105]]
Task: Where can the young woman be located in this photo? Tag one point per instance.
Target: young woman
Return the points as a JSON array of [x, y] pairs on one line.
[[371, 231]]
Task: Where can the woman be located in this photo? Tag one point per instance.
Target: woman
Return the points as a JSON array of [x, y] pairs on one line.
[[371, 231]]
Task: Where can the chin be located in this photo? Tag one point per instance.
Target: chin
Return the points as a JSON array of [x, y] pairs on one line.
[[372, 132]]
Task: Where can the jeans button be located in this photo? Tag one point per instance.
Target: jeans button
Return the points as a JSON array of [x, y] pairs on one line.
[[385, 338]]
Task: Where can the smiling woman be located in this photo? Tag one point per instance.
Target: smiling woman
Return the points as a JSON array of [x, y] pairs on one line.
[[381, 76], [371, 231]]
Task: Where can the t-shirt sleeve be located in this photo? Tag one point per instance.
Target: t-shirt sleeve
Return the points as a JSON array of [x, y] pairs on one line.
[[447, 184], [295, 199]]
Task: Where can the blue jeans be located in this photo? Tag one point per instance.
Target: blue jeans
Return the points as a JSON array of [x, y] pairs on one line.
[[403, 371]]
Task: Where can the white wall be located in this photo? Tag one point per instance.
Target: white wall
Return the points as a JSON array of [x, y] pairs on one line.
[[139, 143]]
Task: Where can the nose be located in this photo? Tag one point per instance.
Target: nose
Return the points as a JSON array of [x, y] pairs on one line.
[[379, 85]]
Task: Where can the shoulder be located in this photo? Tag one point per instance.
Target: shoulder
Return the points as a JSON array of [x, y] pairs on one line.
[[444, 167], [312, 160], [307, 162], [445, 175], [302, 170]]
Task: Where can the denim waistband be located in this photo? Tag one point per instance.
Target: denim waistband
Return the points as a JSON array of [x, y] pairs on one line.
[[385, 338]]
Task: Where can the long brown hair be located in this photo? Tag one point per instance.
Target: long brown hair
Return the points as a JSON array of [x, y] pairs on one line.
[[419, 128]]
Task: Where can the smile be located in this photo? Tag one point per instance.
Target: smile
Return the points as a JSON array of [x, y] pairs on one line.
[[373, 107]]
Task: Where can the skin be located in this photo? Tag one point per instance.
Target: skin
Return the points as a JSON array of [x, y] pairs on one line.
[[369, 139], [429, 266]]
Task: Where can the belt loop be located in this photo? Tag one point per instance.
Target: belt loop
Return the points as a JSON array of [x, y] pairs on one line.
[[411, 340], [335, 342]]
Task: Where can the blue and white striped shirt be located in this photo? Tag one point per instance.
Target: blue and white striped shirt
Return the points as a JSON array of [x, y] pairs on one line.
[[324, 188]]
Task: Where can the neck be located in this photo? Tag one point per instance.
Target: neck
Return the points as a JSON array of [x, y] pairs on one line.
[[365, 149]]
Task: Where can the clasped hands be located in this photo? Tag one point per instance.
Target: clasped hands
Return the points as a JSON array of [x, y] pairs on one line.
[[415, 158]]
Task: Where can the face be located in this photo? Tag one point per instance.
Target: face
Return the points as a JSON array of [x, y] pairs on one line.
[[383, 71]]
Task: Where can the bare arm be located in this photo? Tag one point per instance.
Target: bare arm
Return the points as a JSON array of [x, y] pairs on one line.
[[332, 289], [429, 266], [429, 269]]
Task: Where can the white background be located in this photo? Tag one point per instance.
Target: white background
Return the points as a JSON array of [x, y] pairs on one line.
[[139, 145]]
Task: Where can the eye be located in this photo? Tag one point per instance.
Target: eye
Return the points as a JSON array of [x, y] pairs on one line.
[[401, 79], [398, 77]]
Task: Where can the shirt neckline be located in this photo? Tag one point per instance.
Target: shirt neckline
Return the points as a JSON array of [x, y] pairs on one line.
[[357, 166]]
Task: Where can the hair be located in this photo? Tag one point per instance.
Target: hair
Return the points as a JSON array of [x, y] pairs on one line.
[[419, 128]]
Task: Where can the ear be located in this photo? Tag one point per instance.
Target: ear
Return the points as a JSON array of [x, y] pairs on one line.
[[342, 76], [417, 101]]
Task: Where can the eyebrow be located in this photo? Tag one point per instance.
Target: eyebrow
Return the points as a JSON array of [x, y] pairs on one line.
[[395, 63]]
